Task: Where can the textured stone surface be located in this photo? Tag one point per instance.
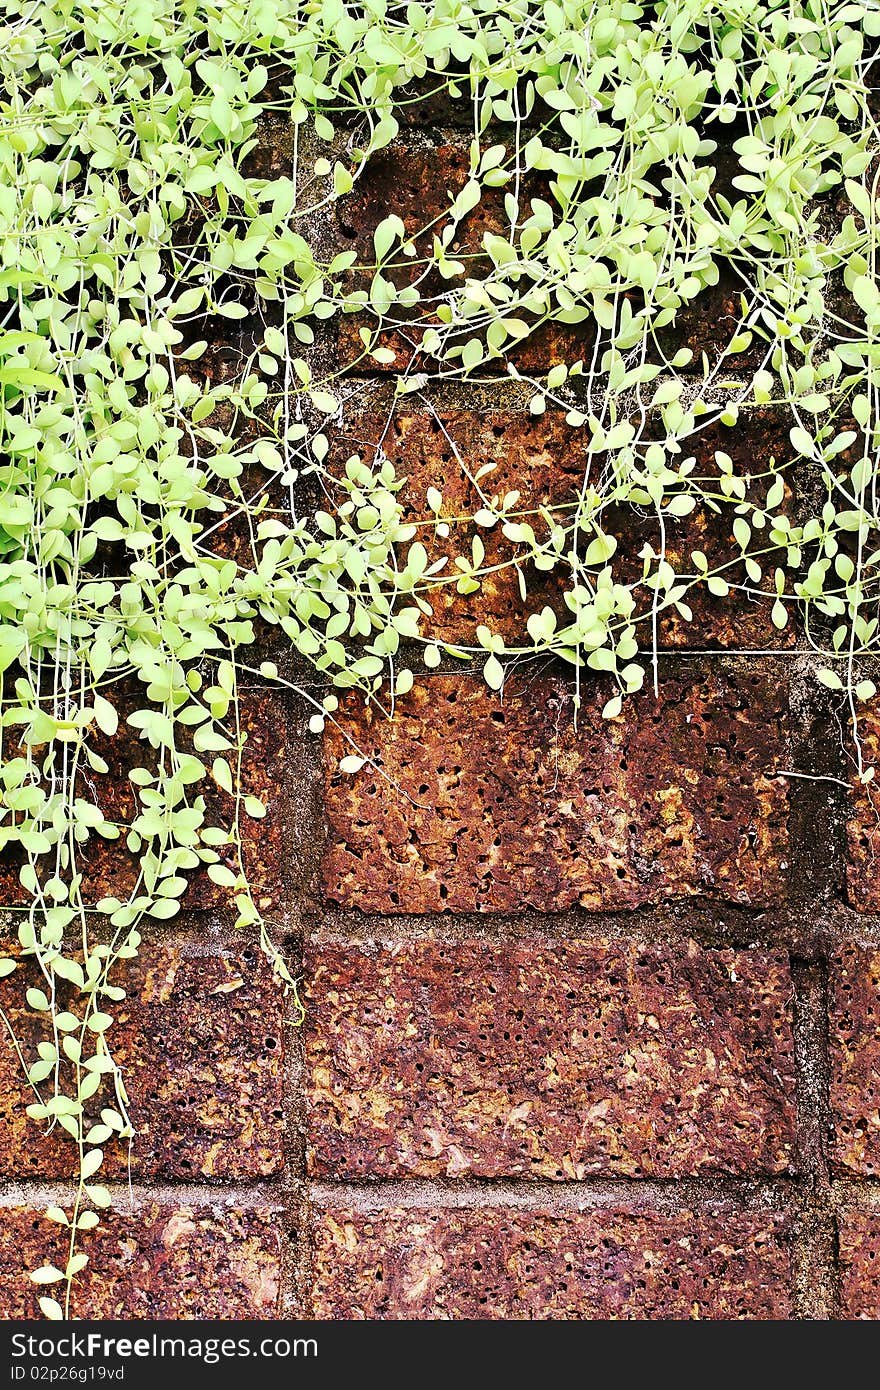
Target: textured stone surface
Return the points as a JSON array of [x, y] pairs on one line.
[[502, 804], [616, 1066], [264, 719], [859, 1237], [854, 1040], [418, 178], [545, 461], [188, 1261], [499, 1263], [419, 181], [108, 867], [563, 1062], [863, 828], [199, 1039]]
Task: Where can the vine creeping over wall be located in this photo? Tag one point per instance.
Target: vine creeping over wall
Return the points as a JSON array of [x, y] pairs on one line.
[[156, 520]]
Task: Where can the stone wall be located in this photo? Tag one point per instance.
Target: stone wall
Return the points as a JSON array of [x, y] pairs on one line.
[[592, 1007]]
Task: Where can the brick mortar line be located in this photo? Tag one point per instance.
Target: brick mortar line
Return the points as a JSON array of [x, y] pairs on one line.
[[782, 1192], [817, 856], [673, 1194], [863, 1192], [304, 832], [718, 925], [501, 927], [816, 1279], [480, 397], [748, 1193], [780, 932], [35, 1192], [713, 923], [782, 1196], [296, 1265]]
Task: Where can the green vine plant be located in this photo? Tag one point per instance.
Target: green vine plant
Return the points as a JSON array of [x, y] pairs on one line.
[[157, 521]]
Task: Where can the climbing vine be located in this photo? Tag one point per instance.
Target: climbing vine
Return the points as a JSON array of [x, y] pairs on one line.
[[619, 162]]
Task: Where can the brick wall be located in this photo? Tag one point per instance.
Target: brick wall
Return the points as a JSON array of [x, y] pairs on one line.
[[592, 1011]]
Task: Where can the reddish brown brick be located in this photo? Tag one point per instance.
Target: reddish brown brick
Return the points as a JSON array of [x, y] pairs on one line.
[[859, 1238], [202, 1261], [545, 461], [863, 827], [500, 804], [548, 1062], [107, 866], [854, 1037], [424, 178], [264, 721], [199, 1039], [418, 179], [497, 1263], [274, 150]]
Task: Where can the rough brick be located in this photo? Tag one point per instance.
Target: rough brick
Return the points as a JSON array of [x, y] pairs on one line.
[[863, 827], [199, 1039], [424, 179], [490, 1059], [545, 461], [107, 866], [500, 804], [196, 1261], [859, 1238], [502, 1264], [265, 722], [854, 1038], [272, 156], [548, 1062], [418, 179]]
